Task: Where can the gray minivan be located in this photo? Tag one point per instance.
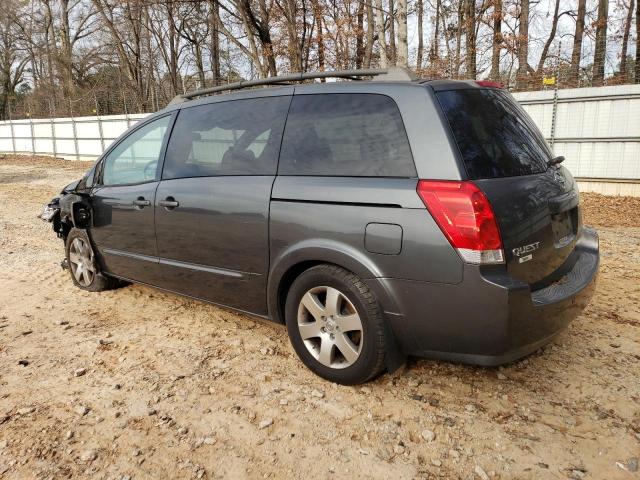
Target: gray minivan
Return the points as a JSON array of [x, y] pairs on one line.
[[376, 219]]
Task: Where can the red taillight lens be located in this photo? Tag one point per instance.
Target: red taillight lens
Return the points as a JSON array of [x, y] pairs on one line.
[[465, 216]]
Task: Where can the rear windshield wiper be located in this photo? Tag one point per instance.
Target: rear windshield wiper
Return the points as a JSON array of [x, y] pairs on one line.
[[555, 161]]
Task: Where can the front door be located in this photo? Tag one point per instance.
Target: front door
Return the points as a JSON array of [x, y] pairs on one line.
[[212, 205], [123, 203]]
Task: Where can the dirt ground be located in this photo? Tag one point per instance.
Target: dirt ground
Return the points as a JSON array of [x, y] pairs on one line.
[[135, 383]]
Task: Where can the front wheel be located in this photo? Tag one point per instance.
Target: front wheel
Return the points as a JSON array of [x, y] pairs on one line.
[[335, 325], [83, 265]]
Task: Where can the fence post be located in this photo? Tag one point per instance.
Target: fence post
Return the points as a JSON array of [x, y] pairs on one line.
[[11, 129], [75, 137], [53, 131], [99, 125], [33, 135]]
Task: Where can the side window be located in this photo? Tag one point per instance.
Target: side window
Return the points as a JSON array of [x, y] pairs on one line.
[[357, 135], [238, 137], [135, 159]]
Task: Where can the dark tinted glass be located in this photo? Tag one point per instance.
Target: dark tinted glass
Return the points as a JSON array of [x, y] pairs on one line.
[[239, 137], [345, 135], [495, 136]]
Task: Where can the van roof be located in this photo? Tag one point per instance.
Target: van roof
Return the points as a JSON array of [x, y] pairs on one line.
[[395, 74], [382, 81]]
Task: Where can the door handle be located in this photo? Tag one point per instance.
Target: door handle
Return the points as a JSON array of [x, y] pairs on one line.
[[169, 203], [141, 202]]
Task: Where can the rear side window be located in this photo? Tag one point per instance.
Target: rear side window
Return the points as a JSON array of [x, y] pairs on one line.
[[357, 135], [239, 137], [495, 136]]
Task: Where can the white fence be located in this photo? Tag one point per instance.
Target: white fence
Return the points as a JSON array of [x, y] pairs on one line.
[[596, 129], [77, 138], [598, 132]]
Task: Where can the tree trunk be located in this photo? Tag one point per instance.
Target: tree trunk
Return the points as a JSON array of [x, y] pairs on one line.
[[214, 42], [392, 33], [317, 15], [380, 30], [65, 56], [403, 48], [497, 40], [470, 35], [434, 52], [625, 41], [576, 54], [456, 60], [290, 11], [523, 46], [360, 34], [601, 43], [368, 51], [637, 77], [420, 52]]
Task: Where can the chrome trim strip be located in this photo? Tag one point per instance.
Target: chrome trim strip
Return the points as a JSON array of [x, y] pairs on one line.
[[176, 263]]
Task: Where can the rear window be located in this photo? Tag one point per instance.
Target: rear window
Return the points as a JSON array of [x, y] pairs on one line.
[[495, 136], [355, 135]]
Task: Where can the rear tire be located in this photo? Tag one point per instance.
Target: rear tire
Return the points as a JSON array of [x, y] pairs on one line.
[[335, 325], [82, 263]]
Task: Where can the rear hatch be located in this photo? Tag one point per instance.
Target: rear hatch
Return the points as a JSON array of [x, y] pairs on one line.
[[506, 156]]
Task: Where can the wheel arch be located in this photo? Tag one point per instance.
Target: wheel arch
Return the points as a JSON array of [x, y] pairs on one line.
[[289, 264]]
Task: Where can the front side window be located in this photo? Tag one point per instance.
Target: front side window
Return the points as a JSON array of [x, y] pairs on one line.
[[238, 137], [356, 135], [135, 159]]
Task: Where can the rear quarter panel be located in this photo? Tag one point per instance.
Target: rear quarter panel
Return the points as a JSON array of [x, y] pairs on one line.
[[325, 218]]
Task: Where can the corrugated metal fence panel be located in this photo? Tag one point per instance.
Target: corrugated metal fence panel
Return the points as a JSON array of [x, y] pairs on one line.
[[596, 129], [77, 138]]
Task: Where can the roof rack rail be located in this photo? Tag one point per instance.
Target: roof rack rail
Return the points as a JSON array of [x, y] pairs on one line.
[[393, 74]]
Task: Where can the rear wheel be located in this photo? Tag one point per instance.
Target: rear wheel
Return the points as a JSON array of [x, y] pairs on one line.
[[335, 325], [82, 263]]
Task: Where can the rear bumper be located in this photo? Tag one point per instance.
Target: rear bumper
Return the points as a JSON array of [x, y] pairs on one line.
[[489, 318]]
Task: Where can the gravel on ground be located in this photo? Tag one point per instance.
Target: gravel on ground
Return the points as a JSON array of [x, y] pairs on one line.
[[136, 383]]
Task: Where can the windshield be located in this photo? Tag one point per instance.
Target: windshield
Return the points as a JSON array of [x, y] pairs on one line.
[[494, 134]]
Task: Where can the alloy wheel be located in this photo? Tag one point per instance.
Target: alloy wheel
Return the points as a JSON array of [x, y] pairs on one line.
[[330, 327], [81, 262]]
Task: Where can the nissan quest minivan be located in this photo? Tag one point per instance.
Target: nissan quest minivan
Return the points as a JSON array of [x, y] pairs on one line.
[[376, 219]]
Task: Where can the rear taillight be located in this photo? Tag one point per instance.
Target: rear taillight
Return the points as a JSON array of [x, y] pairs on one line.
[[465, 216], [489, 84]]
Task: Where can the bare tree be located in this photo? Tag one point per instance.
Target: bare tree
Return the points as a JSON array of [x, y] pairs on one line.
[[547, 44], [12, 60], [576, 54], [470, 34], [637, 76], [523, 45], [601, 42], [392, 49], [625, 40], [368, 51], [380, 30], [214, 29], [420, 51], [403, 47], [497, 40]]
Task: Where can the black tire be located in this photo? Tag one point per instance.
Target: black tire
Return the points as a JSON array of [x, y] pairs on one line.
[[96, 282], [370, 360]]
